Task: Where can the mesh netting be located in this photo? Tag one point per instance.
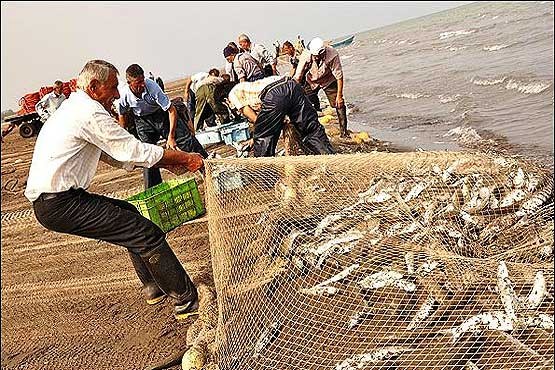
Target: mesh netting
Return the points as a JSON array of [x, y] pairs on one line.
[[397, 261]]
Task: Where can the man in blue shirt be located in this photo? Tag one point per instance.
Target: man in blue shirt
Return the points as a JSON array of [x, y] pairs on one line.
[[155, 117]]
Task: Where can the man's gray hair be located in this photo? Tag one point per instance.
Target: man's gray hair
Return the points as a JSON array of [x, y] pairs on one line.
[[95, 70], [244, 37]]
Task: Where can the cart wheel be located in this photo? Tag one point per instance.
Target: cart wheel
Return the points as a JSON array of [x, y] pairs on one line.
[[26, 130], [37, 125]]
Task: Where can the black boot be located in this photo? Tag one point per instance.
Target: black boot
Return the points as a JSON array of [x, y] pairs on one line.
[[172, 279], [342, 117], [150, 289]]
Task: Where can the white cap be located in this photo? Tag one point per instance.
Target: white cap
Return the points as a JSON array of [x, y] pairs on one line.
[[315, 46]]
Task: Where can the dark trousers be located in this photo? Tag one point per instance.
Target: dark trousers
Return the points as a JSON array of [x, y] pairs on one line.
[[94, 216], [153, 126], [191, 104], [281, 98], [330, 91]]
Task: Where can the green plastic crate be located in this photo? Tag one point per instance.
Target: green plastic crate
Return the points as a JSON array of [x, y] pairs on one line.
[[170, 203]]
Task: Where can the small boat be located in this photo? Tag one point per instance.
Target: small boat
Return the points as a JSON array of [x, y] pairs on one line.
[[342, 42]]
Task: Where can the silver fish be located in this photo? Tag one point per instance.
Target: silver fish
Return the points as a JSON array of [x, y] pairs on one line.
[[423, 313], [539, 290], [495, 320], [448, 175], [324, 289], [533, 183], [342, 275], [357, 318], [360, 361], [541, 320], [320, 290], [409, 261], [426, 268], [341, 244], [513, 197], [506, 291], [470, 366], [326, 221], [502, 162], [387, 278], [266, 338], [518, 178], [535, 202], [415, 191]]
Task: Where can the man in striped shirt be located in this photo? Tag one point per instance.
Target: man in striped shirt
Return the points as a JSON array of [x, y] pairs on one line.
[[266, 102]]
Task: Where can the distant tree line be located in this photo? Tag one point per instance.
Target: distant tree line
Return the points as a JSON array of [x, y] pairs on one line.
[[7, 113]]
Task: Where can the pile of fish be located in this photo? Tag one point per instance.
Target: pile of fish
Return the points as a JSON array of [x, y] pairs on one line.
[[467, 213], [427, 223]]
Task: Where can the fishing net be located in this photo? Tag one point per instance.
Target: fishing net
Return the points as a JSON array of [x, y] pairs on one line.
[[382, 260]]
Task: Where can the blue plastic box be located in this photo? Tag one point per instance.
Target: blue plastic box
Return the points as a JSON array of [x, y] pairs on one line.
[[235, 132]]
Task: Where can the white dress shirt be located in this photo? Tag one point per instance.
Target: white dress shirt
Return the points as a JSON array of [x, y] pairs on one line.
[[196, 79], [262, 55], [48, 104], [69, 145]]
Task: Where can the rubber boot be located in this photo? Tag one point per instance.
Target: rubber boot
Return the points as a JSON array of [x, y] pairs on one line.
[[172, 279], [152, 293], [342, 117]]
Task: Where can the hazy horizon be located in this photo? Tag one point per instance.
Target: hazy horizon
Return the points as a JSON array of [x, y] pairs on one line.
[[45, 41]]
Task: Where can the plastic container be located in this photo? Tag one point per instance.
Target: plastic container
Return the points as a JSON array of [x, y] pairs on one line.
[[170, 203], [209, 136], [235, 132]]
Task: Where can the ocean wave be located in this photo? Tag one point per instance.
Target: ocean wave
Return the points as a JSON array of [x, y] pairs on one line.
[[495, 47], [488, 82], [399, 42], [449, 34], [455, 48], [346, 56], [532, 87], [409, 95], [466, 135], [524, 87], [443, 99]]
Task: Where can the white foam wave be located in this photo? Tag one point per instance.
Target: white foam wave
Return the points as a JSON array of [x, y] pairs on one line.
[[456, 48], [443, 99], [346, 56], [495, 47], [488, 82], [534, 87], [409, 95], [449, 34], [464, 134]]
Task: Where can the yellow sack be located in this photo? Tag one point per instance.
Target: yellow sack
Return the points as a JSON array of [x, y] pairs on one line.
[[193, 359], [326, 119]]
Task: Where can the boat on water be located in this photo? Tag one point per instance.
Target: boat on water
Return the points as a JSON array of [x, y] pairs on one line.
[[342, 42]]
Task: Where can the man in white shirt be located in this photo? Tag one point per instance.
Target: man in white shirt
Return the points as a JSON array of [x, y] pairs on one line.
[[66, 156], [50, 102], [267, 60], [191, 87]]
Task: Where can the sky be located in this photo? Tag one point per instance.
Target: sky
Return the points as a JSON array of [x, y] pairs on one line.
[[45, 41]]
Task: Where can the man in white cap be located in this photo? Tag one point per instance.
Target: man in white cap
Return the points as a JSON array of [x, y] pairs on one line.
[[321, 67]]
